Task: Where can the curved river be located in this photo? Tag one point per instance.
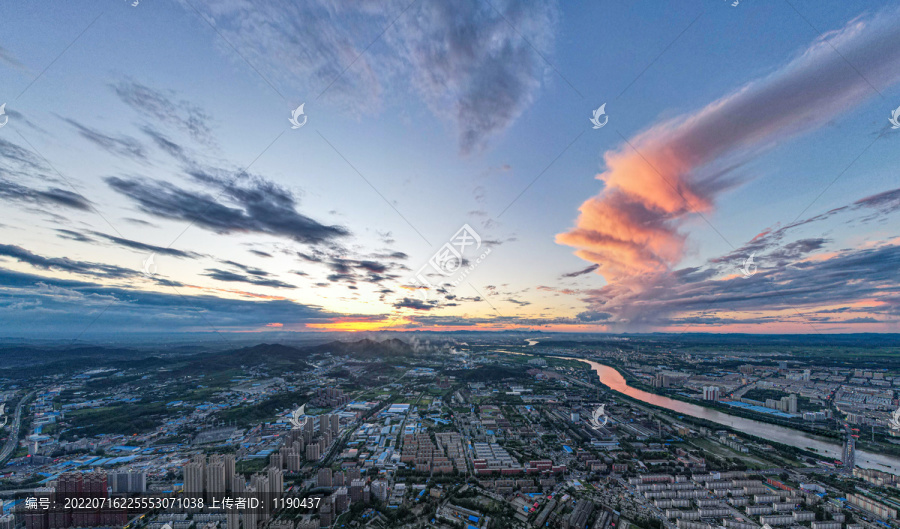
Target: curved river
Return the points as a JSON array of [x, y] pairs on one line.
[[614, 380]]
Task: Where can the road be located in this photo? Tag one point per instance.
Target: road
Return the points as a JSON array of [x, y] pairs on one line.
[[13, 440]]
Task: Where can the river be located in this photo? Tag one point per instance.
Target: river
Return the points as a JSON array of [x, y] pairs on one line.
[[614, 380]]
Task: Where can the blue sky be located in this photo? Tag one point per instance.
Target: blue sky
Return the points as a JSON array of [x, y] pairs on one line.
[[131, 129]]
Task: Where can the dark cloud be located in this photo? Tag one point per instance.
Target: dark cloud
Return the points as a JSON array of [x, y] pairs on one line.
[[260, 253], [73, 236], [148, 248], [593, 316], [849, 277], [18, 165], [61, 197], [417, 304], [33, 306], [124, 146], [582, 272], [518, 302], [168, 146], [224, 275], [252, 270], [257, 206], [140, 222], [66, 265], [390, 255], [165, 107]]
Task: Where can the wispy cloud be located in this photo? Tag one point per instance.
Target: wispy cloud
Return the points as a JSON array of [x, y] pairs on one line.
[[124, 146], [165, 107], [474, 67]]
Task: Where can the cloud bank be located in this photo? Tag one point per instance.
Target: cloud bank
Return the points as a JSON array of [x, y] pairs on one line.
[[654, 183]]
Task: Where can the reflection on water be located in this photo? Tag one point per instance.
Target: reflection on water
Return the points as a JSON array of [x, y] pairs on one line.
[[614, 380]]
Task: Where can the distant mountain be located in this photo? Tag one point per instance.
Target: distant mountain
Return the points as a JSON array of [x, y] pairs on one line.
[[367, 349]]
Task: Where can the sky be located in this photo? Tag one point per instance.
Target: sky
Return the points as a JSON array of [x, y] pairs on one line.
[[444, 171]]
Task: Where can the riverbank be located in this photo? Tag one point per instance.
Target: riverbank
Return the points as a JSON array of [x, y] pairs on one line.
[[823, 448]]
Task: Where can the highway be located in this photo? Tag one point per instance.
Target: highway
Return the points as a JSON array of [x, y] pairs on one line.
[[13, 440]]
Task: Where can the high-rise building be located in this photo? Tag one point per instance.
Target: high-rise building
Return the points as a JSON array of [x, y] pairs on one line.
[[312, 452], [335, 421], [95, 485], [193, 479], [337, 479], [137, 482], [276, 483], [789, 404], [238, 485], [324, 478], [69, 485], [356, 490], [233, 518], [710, 393], [7, 521], [308, 431], [326, 512], [228, 459], [250, 519], [294, 462], [380, 490], [661, 380], [215, 479], [118, 482], [276, 461], [128, 482], [259, 489], [341, 500]]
